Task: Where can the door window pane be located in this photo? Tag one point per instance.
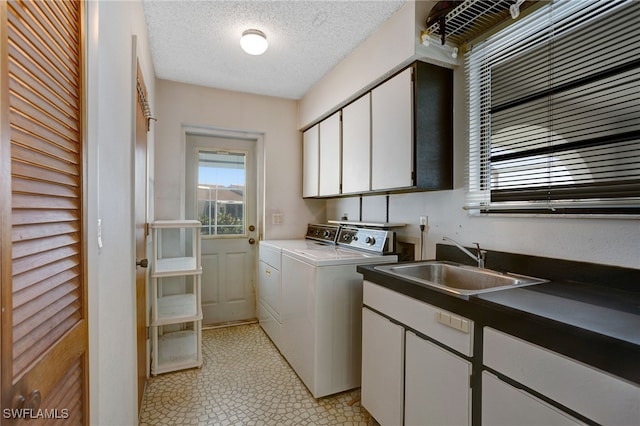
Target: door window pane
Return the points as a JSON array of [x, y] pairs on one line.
[[221, 192]]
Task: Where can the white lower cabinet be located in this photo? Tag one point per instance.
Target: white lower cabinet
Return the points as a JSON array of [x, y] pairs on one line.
[[437, 385], [505, 405], [407, 379], [382, 368], [592, 393]]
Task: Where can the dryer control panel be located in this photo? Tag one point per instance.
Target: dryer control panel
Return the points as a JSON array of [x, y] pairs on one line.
[[373, 240]]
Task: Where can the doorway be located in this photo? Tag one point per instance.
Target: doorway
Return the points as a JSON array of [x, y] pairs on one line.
[[221, 192]]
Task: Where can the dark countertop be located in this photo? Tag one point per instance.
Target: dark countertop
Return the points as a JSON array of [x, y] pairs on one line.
[[597, 322], [606, 313]]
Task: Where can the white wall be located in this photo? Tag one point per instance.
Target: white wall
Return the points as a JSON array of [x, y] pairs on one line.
[[280, 157], [606, 241], [111, 269]]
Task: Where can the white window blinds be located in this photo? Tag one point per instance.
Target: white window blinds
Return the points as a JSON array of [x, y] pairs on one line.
[[554, 112]]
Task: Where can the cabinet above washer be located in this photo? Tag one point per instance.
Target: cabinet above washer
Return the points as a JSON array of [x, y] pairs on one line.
[[398, 137]]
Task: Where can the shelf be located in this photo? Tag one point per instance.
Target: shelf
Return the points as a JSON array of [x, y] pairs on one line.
[[174, 266], [176, 309], [180, 308], [177, 350], [162, 224]]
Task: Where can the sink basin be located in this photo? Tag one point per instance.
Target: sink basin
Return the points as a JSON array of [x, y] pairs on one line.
[[459, 279]]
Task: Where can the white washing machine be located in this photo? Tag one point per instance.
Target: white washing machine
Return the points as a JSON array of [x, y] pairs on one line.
[[316, 321]]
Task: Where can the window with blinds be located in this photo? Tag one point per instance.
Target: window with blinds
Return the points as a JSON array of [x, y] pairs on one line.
[[554, 112]]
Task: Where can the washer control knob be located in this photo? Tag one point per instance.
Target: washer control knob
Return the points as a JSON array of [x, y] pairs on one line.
[[370, 240]]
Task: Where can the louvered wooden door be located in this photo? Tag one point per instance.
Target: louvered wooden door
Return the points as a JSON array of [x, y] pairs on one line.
[[44, 371]]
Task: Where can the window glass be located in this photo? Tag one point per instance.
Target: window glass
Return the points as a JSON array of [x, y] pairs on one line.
[[221, 195]]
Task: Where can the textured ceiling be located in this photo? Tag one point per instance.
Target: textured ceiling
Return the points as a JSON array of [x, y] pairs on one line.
[[198, 42]]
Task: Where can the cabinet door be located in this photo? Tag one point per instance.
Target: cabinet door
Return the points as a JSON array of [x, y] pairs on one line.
[[382, 368], [595, 394], [330, 138], [437, 385], [311, 161], [504, 405], [392, 133], [356, 146]]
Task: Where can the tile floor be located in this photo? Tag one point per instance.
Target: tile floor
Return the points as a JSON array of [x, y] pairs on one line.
[[243, 381]]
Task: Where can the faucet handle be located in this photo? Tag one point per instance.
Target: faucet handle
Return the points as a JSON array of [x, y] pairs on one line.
[[480, 255]]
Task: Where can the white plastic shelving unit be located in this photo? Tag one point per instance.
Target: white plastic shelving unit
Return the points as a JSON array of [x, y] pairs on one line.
[[176, 319]]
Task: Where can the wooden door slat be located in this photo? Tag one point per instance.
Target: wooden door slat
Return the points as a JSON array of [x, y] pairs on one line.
[[41, 71], [30, 278], [20, 169], [66, 43], [24, 296], [43, 245], [25, 40], [37, 187], [35, 114], [31, 105], [42, 202], [31, 232], [20, 153], [39, 311], [42, 47], [66, 18], [39, 260], [28, 78], [34, 92], [26, 124], [26, 353], [31, 217]]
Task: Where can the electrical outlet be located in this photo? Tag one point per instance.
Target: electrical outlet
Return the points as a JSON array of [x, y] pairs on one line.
[[423, 220]]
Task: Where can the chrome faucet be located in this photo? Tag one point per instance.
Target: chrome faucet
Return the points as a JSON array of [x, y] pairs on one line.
[[478, 257]]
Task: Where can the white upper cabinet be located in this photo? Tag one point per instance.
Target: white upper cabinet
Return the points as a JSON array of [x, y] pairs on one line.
[[330, 156], [392, 133], [398, 137], [356, 146], [311, 161]]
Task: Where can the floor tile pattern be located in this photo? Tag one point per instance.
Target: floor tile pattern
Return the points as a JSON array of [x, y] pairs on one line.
[[243, 381]]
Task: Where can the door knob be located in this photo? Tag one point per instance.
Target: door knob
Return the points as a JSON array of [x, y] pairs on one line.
[[31, 402], [144, 262], [252, 240]]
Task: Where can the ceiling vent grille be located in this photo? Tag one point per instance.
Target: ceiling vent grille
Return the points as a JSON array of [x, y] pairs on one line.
[[471, 18]]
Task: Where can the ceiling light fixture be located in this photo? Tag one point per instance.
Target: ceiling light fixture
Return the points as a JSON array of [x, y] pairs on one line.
[[254, 42]]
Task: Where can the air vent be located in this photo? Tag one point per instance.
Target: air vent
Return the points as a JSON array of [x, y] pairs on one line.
[[468, 19]]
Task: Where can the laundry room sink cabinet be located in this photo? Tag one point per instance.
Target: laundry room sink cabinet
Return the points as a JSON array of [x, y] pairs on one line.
[[416, 361], [176, 309]]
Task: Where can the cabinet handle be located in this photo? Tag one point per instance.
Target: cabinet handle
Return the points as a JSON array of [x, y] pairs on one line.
[[452, 321], [267, 272]]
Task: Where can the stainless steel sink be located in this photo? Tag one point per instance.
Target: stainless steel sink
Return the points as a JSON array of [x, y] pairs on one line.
[[456, 278]]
